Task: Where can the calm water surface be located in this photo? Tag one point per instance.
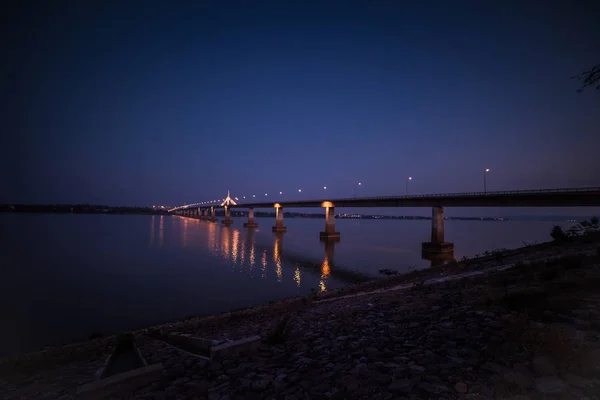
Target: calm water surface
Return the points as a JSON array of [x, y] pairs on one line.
[[65, 276]]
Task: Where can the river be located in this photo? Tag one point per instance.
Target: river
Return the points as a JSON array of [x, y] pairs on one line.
[[64, 277]]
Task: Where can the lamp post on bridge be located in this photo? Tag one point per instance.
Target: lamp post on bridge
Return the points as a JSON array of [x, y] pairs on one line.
[[355, 189], [485, 171], [409, 179]]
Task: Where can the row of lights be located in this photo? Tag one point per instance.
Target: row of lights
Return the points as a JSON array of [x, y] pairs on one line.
[[359, 184]]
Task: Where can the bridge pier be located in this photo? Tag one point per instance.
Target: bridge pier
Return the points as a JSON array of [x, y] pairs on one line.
[[250, 223], [203, 213], [279, 227], [227, 221], [329, 233], [198, 212], [213, 216], [437, 244]]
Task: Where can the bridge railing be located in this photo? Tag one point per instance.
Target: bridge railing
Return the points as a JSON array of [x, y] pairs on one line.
[[476, 194], [420, 196]]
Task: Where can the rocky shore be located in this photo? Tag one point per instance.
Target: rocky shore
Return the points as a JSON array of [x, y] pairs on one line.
[[521, 325]]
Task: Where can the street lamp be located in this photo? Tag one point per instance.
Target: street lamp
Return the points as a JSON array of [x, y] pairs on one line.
[[409, 179], [356, 187], [299, 190], [280, 192], [485, 171]]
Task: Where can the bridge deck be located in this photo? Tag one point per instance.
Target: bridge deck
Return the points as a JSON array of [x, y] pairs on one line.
[[580, 197]]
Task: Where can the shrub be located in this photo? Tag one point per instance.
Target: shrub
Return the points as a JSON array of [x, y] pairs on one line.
[[281, 331], [557, 233]]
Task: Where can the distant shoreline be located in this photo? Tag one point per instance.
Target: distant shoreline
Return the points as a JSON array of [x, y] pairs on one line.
[[101, 209]]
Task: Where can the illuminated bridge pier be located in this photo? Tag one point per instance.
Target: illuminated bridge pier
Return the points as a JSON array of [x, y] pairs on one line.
[[250, 223], [570, 197], [329, 233], [279, 227], [227, 221]]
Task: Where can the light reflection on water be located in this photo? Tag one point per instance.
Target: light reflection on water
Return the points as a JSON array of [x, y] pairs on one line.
[[164, 268]]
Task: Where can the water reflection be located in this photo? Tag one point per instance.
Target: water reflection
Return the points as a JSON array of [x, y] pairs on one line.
[[252, 248], [437, 259], [240, 250], [297, 276], [235, 246], [277, 249], [327, 264], [212, 238], [184, 233], [152, 230], [263, 262], [161, 230]]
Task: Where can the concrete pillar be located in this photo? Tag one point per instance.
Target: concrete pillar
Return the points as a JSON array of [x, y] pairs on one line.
[[213, 217], [227, 221], [329, 233], [250, 223], [437, 225], [203, 213], [279, 219], [437, 244], [198, 212]]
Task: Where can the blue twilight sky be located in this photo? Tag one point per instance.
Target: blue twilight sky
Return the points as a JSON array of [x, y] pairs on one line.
[[155, 102]]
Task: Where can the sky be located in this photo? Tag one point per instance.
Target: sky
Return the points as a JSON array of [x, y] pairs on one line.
[[154, 102]]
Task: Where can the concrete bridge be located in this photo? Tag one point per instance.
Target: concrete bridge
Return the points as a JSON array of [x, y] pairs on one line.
[[569, 197]]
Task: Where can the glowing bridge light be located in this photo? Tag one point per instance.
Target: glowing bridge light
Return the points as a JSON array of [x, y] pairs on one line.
[[244, 197], [280, 192], [253, 195], [236, 198], [299, 190], [265, 194], [324, 187]]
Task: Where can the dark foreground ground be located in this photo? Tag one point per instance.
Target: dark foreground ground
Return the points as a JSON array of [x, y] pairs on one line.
[[527, 332]]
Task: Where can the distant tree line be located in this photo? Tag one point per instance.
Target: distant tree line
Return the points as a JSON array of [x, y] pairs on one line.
[[78, 209]]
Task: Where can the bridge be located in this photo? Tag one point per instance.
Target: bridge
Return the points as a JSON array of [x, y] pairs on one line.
[[568, 197]]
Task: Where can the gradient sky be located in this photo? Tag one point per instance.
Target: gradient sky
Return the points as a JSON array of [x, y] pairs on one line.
[[154, 102]]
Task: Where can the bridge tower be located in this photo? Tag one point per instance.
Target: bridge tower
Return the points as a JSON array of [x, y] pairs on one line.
[[226, 203]]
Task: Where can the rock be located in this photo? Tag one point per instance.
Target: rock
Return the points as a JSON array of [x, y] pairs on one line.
[[371, 352], [416, 369], [519, 379], [384, 379], [280, 382], [578, 381], [235, 372], [543, 366], [550, 385], [200, 386], [361, 370], [461, 387], [400, 386], [581, 313], [260, 384]]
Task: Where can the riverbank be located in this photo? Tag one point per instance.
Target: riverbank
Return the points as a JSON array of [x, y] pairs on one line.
[[482, 328]]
